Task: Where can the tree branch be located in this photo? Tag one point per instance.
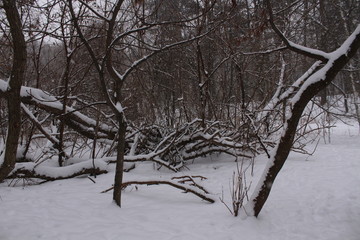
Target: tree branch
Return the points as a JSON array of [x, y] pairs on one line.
[[309, 52], [181, 184]]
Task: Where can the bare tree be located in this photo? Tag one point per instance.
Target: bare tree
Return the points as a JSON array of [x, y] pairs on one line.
[[118, 39]]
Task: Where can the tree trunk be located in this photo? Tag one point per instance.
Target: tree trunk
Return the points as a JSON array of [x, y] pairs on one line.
[[13, 93], [65, 80], [119, 160]]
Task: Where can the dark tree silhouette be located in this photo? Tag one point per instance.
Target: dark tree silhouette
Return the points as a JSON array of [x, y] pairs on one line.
[[13, 90]]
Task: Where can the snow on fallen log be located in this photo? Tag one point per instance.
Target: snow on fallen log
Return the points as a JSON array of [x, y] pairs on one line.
[[32, 170]]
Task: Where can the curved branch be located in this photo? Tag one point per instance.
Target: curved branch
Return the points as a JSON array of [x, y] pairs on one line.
[[181, 184], [309, 52]]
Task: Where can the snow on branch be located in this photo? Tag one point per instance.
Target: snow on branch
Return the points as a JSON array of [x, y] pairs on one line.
[[309, 52], [173, 148], [36, 122], [289, 92], [336, 56], [74, 119], [3, 87], [269, 51], [312, 85]]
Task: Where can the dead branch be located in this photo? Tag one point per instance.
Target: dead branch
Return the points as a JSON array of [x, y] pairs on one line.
[[183, 184]]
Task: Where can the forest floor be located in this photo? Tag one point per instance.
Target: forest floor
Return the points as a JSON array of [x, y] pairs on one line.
[[314, 197]]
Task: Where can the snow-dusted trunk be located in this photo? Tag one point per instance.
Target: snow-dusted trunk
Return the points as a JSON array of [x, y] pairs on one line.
[[119, 159], [13, 91], [316, 82], [65, 80]]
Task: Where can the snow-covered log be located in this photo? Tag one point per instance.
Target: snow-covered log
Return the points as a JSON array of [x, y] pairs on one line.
[[32, 170]]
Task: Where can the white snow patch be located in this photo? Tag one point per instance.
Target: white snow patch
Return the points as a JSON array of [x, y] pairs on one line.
[[310, 50], [3, 86], [59, 172], [314, 197], [2, 156], [119, 107]]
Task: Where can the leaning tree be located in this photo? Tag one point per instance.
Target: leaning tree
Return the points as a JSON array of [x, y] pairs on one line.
[[298, 95]]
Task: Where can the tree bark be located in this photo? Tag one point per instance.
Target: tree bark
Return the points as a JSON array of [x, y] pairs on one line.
[[119, 160], [14, 85]]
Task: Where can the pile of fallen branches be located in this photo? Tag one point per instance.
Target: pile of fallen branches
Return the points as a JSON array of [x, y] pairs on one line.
[[168, 147], [172, 148]]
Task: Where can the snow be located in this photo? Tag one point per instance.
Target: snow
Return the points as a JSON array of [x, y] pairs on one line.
[[2, 155], [45, 99], [3, 86], [345, 47], [277, 99], [56, 172], [121, 77], [119, 107], [310, 50], [2, 151], [314, 197]]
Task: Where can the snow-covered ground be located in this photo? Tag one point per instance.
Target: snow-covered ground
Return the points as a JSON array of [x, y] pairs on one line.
[[314, 197]]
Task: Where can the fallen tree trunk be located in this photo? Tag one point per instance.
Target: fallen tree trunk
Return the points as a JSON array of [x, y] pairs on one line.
[[31, 170]]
